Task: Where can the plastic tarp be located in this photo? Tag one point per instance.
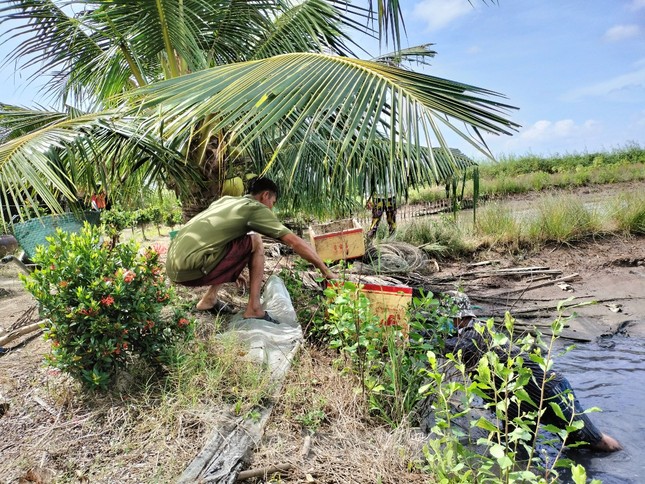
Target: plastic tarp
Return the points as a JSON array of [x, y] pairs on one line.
[[271, 344]]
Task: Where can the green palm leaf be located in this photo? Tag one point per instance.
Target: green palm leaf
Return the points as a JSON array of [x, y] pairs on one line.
[[300, 93]]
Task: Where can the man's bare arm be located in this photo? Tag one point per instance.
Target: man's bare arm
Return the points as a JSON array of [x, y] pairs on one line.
[[304, 250]]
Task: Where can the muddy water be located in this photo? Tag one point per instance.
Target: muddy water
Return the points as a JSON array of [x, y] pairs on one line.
[[610, 374]]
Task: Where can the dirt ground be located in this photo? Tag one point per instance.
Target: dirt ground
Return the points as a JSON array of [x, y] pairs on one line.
[[609, 270]]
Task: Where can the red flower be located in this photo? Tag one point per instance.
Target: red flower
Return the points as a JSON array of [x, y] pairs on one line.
[[63, 283], [88, 312], [129, 276], [183, 322], [107, 301]]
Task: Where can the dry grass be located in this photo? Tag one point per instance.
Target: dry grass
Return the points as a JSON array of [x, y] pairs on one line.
[[146, 429], [346, 445]]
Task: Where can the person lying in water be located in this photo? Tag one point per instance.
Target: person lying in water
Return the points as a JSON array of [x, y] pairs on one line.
[[473, 345]]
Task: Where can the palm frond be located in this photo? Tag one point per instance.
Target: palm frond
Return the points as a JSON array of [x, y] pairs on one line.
[[299, 93], [314, 26], [60, 154], [417, 54]]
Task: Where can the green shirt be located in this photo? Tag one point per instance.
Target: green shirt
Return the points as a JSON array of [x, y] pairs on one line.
[[202, 243]]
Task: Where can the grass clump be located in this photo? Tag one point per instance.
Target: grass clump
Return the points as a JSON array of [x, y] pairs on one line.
[[496, 224], [438, 237], [214, 369], [628, 212], [563, 220]]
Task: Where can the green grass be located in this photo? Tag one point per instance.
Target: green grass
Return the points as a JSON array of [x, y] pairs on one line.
[[496, 224], [628, 212], [563, 219], [516, 175]]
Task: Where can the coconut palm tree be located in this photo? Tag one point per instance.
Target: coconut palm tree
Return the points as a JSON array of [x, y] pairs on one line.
[[188, 93]]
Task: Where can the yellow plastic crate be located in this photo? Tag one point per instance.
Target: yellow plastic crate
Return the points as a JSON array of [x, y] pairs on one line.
[[338, 240], [391, 303]]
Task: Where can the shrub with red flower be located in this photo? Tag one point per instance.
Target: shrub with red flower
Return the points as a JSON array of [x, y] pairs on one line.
[[107, 301], [129, 276], [103, 304]]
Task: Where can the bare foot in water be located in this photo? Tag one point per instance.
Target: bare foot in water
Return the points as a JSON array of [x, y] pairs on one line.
[[607, 444]]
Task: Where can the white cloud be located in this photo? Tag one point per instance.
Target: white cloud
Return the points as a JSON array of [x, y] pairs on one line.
[[545, 130], [637, 4], [614, 85], [436, 14], [622, 32]]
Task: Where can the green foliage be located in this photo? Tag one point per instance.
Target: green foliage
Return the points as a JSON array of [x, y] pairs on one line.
[[507, 453], [312, 419], [388, 359], [173, 217], [515, 175], [115, 221], [103, 305]]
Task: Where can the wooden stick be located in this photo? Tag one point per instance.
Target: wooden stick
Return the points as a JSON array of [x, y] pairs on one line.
[[265, 471], [543, 284], [306, 447], [17, 333]]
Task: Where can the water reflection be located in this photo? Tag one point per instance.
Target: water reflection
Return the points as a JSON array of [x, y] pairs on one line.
[[610, 374]]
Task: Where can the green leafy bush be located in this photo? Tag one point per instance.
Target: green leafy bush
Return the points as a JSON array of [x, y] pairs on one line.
[[388, 359], [508, 451], [103, 305]]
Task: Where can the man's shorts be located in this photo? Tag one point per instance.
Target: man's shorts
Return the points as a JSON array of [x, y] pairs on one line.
[[230, 267]]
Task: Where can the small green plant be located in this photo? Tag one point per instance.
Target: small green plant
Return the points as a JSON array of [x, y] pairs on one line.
[[507, 451], [102, 305], [114, 221], [312, 419], [388, 359]]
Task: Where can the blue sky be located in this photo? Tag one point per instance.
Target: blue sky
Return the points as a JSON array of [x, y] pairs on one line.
[[575, 68]]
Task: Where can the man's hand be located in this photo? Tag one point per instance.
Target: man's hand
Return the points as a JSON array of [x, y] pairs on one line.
[[329, 275]]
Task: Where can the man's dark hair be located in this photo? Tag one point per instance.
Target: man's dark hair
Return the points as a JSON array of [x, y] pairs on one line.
[[261, 184]]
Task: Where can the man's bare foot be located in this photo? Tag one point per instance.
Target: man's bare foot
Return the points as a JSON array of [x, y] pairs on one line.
[[253, 311], [253, 314], [205, 305], [607, 444], [208, 300]]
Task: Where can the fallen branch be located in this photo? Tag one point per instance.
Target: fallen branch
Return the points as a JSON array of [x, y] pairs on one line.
[[264, 472], [17, 333], [543, 284]]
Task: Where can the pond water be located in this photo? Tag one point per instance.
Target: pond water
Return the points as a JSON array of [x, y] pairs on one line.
[[610, 374]]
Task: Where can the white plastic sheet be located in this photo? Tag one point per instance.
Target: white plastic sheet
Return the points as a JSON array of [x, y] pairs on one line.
[[270, 344]]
